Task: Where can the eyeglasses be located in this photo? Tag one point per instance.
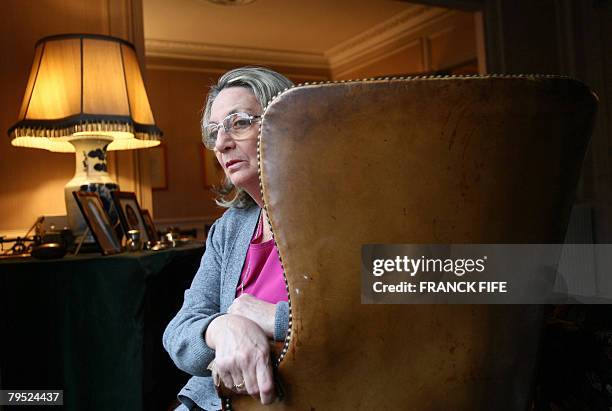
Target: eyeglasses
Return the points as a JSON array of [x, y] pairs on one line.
[[236, 125]]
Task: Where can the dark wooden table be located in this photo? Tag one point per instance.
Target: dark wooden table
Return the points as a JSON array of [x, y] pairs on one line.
[[91, 325]]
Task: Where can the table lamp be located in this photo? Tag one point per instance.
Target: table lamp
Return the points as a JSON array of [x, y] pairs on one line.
[[85, 95]]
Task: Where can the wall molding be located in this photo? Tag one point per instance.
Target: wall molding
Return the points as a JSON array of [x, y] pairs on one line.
[[234, 54], [380, 54], [365, 48], [214, 68], [383, 39]]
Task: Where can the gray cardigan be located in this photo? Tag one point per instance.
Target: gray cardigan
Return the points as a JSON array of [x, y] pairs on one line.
[[211, 293]]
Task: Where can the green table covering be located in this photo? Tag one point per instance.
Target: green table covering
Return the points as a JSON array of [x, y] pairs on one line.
[[91, 325]]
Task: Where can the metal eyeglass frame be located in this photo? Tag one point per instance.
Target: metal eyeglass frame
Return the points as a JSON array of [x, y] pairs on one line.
[[227, 127]]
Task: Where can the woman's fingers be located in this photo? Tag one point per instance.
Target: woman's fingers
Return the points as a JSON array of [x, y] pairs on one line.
[[258, 378], [226, 378], [243, 358], [250, 382], [252, 377], [238, 384], [230, 371], [265, 381]]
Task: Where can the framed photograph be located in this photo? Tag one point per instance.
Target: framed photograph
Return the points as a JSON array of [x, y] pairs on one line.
[[149, 226], [130, 213], [98, 222], [159, 168], [212, 172]]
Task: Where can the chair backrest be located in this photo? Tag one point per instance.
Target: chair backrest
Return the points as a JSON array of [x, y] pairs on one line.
[[415, 161]]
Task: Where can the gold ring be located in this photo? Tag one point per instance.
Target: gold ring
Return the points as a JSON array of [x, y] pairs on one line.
[[239, 386]]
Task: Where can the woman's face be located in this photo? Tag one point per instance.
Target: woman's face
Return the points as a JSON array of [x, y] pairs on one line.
[[237, 157]]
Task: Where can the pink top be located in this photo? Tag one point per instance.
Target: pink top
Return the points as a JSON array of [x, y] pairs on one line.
[[262, 274]]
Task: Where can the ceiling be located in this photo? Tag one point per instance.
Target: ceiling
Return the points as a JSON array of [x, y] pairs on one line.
[[300, 26]]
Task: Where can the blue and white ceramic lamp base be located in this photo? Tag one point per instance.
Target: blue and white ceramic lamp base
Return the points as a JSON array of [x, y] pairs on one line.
[[91, 175]]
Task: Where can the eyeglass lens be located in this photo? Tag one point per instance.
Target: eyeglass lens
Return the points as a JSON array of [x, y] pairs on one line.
[[234, 124]]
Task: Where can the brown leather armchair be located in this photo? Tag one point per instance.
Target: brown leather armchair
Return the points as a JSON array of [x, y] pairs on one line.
[[424, 160]]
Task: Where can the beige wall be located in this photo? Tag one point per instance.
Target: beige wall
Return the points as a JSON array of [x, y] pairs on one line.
[[33, 180], [178, 86], [443, 43], [178, 97], [177, 90]]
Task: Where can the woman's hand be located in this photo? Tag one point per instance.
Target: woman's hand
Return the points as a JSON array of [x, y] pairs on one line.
[[260, 312], [242, 356]]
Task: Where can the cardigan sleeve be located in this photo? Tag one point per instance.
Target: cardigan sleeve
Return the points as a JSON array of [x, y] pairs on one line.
[[184, 337]]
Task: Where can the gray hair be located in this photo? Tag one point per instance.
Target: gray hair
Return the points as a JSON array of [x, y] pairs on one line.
[[265, 84]]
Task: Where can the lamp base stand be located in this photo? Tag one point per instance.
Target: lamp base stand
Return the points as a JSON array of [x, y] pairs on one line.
[[91, 175]]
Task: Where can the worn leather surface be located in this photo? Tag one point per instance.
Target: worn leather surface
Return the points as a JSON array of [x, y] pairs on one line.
[[459, 160]]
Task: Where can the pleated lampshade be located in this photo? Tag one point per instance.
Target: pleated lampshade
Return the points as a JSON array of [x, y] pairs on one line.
[[83, 84]]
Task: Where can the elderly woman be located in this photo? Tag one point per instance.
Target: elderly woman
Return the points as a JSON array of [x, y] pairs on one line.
[[237, 301]]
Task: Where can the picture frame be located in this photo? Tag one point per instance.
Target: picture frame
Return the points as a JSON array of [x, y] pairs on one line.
[[149, 226], [98, 222], [211, 171], [159, 167], [130, 213]]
